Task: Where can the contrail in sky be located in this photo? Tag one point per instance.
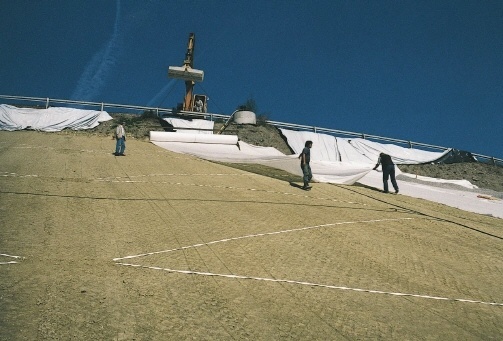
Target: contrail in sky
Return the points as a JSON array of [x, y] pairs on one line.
[[96, 72], [158, 99]]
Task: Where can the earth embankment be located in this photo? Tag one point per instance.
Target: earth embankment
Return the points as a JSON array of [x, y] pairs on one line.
[[157, 245]]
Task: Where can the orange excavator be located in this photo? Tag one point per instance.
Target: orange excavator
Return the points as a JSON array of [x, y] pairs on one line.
[[190, 75]]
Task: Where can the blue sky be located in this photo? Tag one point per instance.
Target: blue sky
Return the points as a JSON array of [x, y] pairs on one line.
[[426, 71]]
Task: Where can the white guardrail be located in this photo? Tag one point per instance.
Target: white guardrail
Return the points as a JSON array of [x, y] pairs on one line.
[[165, 111]]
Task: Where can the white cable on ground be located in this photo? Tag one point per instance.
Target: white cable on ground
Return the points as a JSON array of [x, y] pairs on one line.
[[370, 291], [261, 235], [11, 256]]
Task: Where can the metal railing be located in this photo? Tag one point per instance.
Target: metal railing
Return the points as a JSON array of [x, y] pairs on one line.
[[160, 112]]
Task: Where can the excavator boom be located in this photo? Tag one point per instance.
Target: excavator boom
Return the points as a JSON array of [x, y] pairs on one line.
[[188, 73]]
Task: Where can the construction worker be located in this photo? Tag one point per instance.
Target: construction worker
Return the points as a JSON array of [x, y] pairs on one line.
[[120, 136], [199, 105], [305, 158], [388, 170]]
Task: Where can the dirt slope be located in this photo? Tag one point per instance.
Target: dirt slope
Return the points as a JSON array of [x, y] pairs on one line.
[[217, 253]]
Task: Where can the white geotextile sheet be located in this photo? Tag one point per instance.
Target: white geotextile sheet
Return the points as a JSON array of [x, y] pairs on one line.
[[244, 153], [338, 172], [342, 173], [196, 126], [463, 183], [50, 119], [325, 147], [163, 136], [206, 147], [331, 148], [464, 200], [400, 155]]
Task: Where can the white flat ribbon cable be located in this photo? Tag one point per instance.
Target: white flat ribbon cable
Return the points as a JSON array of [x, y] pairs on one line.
[[370, 291], [10, 256], [327, 286]]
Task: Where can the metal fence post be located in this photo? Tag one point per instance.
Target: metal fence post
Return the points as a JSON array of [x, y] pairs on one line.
[[101, 106], [47, 102]]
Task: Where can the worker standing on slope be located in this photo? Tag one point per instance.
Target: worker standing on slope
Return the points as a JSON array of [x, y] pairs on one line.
[[388, 170], [305, 158], [120, 136]]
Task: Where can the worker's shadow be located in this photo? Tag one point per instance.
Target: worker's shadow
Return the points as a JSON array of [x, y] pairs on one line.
[[293, 184]]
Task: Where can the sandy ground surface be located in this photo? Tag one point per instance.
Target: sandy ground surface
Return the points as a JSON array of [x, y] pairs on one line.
[[218, 253]]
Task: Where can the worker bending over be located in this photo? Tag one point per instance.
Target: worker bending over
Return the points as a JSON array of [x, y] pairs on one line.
[[388, 170]]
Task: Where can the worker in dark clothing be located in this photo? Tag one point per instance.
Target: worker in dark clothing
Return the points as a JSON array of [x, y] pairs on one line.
[[305, 158], [388, 171]]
